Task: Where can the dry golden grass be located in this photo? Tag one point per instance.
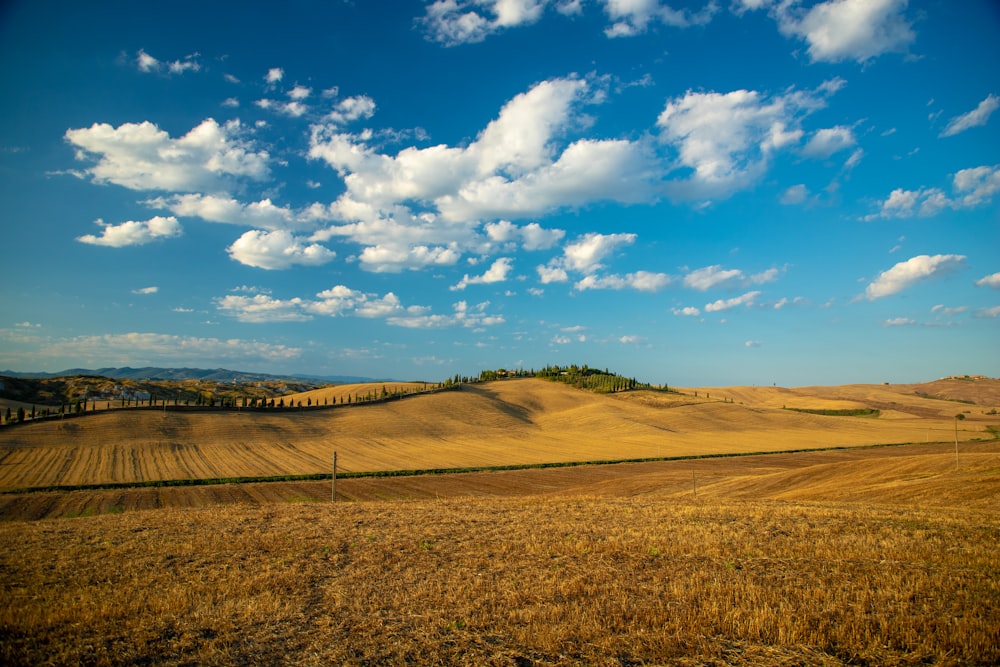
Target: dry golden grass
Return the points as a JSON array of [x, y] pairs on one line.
[[500, 423], [882, 556], [917, 475], [505, 582]]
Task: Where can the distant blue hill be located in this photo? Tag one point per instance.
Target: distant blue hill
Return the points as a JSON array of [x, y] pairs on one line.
[[177, 374]]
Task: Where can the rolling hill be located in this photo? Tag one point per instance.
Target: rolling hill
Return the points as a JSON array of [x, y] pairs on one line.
[[525, 421]]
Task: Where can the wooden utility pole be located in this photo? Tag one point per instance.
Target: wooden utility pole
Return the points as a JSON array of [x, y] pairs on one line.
[[694, 485], [335, 477]]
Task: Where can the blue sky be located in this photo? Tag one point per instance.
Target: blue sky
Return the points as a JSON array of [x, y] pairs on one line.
[[729, 192]]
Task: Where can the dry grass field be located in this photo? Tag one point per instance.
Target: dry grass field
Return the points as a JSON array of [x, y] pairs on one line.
[[864, 555], [514, 581], [500, 423]]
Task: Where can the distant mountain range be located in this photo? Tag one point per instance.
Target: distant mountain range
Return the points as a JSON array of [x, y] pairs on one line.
[[177, 374]]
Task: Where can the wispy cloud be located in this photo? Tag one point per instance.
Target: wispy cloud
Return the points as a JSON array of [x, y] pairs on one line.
[[726, 304], [147, 63], [975, 118]]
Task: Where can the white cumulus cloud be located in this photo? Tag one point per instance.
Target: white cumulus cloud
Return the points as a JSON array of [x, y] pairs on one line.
[[726, 140], [274, 75], [642, 281], [141, 156], [278, 249], [454, 22], [839, 30], [992, 280], [970, 188], [497, 273], [519, 165], [221, 208], [633, 17], [134, 232], [905, 274]]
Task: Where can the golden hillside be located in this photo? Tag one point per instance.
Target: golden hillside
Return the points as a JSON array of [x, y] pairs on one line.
[[499, 423]]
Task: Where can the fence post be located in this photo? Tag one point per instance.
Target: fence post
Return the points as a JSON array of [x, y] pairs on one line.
[[335, 477]]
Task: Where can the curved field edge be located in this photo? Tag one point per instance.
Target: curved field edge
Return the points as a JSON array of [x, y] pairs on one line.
[[924, 474], [508, 423]]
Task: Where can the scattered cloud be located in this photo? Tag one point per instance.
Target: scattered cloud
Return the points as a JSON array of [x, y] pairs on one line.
[[726, 304], [155, 348], [828, 141], [262, 308], [146, 290], [141, 156], [970, 188], [222, 208], [497, 273], [293, 109], [796, 194], [351, 109], [752, 343], [706, 278], [134, 232], [299, 92], [907, 273], [899, 322], [944, 311], [630, 18], [687, 311], [441, 195], [552, 274], [975, 118], [456, 22], [642, 281], [342, 301], [278, 249], [715, 276], [993, 311], [586, 253], [531, 236], [992, 280], [148, 64], [725, 141], [785, 301], [274, 76], [839, 30]]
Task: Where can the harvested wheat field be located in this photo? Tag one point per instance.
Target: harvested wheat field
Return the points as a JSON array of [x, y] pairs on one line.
[[510, 422], [859, 555], [514, 581]]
